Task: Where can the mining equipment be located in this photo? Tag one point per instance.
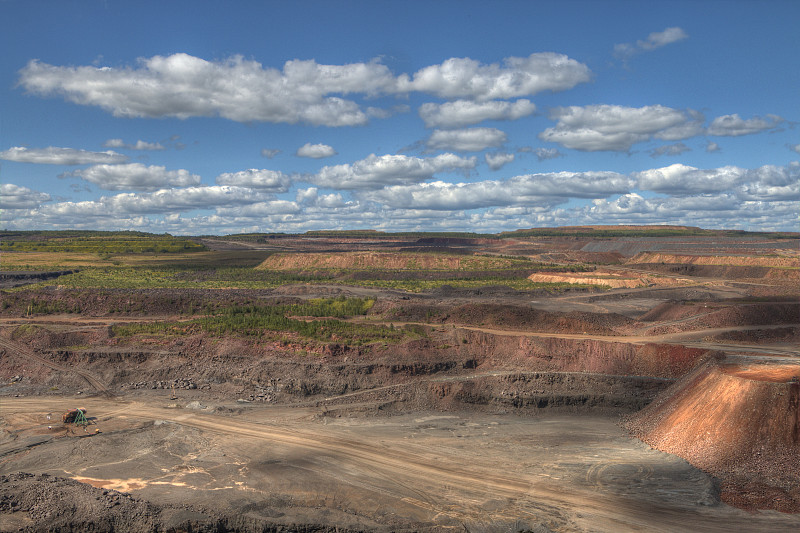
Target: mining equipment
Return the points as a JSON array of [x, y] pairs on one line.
[[77, 417]]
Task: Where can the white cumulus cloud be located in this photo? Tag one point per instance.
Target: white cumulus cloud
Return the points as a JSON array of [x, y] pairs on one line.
[[681, 179], [542, 154], [662, 38], [669, 149], [722, 210], [517, 76], [134, 176], [772, 183], [498, 161], [315, 151], [734, 125], [138, 145], [376, 171], [617, 128], [183, 86], [160, 201], [462, 113], [625, 51], [60, 156], [261, 209], [529, 190], [765, 183], [18, 197], [466, 140], [262, 179]]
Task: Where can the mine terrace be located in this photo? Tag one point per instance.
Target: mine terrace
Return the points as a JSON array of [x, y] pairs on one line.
[[615, 378]]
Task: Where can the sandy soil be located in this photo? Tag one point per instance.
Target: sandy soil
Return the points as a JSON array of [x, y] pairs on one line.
[[421, 471]]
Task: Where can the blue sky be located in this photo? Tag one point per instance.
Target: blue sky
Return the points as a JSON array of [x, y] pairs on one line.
[[225, 117]]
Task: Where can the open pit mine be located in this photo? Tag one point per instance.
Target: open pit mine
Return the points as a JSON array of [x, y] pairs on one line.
[[571, 379]]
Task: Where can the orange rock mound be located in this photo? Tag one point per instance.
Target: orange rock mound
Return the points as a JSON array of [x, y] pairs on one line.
[[739, 422]]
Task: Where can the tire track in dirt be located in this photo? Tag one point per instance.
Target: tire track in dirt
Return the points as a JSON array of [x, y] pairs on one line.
[[397, 461], [587, 508], [608, 509], [11, 348]]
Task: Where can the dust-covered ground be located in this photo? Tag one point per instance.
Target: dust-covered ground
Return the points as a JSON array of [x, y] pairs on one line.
[[238, 467]]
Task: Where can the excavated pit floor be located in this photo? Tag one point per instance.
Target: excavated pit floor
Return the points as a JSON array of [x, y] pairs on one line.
[[422, 471]]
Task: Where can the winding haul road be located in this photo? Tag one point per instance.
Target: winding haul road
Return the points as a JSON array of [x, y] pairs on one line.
[[588, 507]]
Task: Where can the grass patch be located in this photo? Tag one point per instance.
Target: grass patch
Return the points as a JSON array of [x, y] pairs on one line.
[[377, 261], [166, 277], [126, 277], [272, 321], [96, 242], [53, 307]]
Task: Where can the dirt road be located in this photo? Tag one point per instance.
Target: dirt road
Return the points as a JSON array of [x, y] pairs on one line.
[[448, 471], [694, 338]]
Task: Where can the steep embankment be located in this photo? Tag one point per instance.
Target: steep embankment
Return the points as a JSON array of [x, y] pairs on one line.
[[738, 422], [671, 317], [720, 260], [509, 317], [383, 261], [772, 267], [482, 368], [555, 354]]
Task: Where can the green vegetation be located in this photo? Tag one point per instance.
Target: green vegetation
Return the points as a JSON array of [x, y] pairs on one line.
[[96, 243], [25, 330], [269, 320], [392, 261], [332, 307], [146, 277], [246, 269], [40, 307], [135, 260], [177, 278]]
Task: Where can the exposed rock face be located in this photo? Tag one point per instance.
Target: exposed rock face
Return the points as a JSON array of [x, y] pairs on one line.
[[608, 279], [733, 260]]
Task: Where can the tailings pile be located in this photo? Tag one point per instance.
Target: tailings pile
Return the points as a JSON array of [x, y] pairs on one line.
[[739, 422]]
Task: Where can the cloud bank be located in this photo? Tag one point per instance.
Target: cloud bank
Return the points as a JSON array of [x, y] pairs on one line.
[[617, 128], [375, 172], [183, 86], [60, 156], [134, 176]]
